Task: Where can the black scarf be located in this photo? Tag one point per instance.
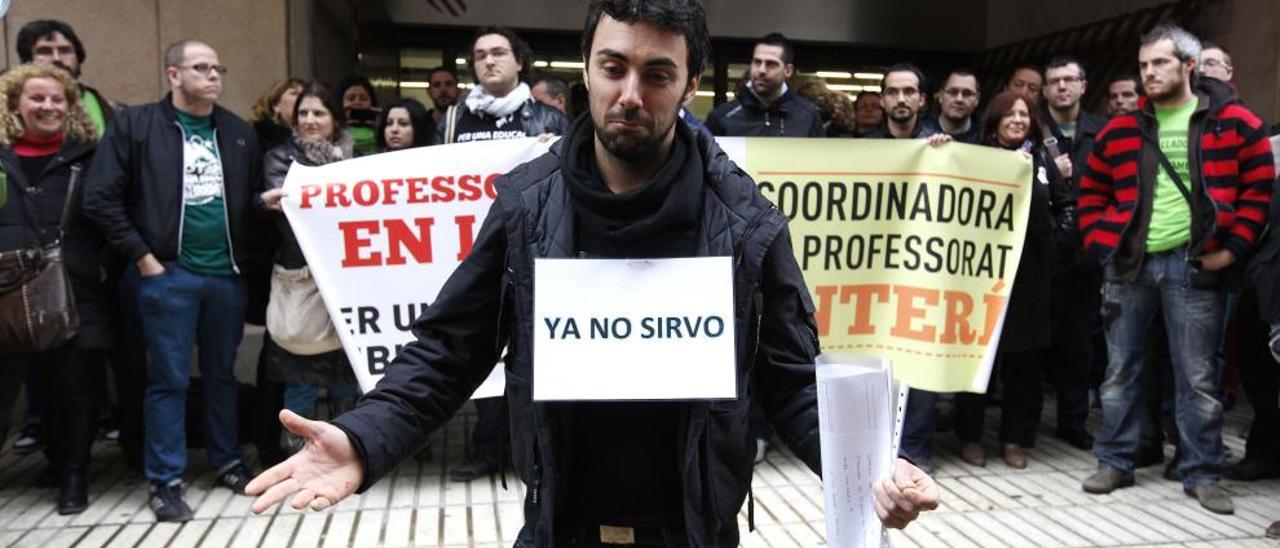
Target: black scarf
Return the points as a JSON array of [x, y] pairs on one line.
[[658, 219]]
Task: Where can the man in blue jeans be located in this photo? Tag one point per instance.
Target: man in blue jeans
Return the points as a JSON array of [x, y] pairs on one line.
[[173, 187], [1171, 196]]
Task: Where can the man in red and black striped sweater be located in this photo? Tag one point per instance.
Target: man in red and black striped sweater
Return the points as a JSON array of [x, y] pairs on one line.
[[1168, 230]]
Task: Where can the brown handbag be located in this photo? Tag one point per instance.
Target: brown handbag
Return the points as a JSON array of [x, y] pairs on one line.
[[37, 307]]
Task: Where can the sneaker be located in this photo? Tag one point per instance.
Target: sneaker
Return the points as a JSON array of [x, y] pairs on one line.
[[1106, 480], [235, 477], [1213, 498], [28, 441], [166, 501]]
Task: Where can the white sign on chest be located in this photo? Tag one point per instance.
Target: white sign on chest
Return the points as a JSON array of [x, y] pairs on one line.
[[645, 329]]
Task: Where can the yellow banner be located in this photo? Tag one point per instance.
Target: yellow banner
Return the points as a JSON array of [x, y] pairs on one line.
[[909, 250]]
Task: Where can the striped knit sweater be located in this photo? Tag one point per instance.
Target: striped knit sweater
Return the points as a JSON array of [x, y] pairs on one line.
[[1232, 167]]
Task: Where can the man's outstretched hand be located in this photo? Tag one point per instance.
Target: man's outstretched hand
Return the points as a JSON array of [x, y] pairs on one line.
[[325, 471], [900, 500]]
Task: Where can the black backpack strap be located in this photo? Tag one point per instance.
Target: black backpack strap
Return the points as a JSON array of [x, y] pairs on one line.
[[1168, 167]]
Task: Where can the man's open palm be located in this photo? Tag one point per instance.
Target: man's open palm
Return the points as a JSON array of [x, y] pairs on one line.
[[325, 471]]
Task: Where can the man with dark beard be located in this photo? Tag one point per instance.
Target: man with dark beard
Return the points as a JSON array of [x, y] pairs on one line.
[[765, 106], [1168, 204], [53, 41], [902, 96], [629, 181]]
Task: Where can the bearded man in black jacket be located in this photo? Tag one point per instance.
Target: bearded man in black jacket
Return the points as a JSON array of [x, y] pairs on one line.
[[629, 181]]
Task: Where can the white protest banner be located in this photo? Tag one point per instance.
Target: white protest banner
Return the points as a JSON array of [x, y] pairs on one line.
[[659, 329], [382, 234]]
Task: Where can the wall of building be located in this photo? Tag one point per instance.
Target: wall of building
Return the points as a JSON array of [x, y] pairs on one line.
[[1247, 29], [124, 40], [1010, 21]]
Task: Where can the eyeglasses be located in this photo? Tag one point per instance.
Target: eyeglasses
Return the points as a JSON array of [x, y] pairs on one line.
[[205, 68], [960, 92], [1214, 63]]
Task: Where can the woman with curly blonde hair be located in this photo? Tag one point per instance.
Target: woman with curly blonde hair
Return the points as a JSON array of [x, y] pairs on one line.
[[46, 137], [79, 126]]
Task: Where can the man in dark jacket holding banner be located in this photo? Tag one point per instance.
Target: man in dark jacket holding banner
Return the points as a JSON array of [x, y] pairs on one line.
[[631, 180]]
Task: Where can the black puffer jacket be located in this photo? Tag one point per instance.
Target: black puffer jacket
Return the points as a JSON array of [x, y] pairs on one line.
[[86, 254], [457, 342], [134, 191], [745, 116]]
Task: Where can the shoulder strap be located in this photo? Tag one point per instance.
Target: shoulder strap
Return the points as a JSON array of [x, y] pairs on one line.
[[1049, 141], [1168, 166], [67, 202]]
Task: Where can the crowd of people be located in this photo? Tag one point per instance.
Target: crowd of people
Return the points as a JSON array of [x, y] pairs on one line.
[[1144, 281]]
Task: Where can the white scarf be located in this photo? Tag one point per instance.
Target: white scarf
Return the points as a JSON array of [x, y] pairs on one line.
[[499, 107]]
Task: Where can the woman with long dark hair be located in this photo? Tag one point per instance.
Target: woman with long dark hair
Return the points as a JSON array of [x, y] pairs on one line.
[[45, 137], [1012, 123], [405, 123], [302, 347]]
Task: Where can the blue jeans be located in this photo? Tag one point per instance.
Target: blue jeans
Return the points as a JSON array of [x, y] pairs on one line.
[[179, 309], [1193, 323], [300, 397]]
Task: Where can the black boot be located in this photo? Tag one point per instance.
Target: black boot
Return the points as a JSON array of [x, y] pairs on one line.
[[73, 497]]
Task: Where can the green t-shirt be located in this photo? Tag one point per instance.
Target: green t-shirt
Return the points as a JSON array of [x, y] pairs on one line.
[[1170, 224], [94, 108], [365, 140], [204, 246]]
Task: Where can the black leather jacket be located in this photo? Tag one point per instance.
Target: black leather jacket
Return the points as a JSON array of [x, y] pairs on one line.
[[488, 304], [535, 117]]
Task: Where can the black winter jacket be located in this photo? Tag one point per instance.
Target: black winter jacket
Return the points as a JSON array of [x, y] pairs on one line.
[[32, 216], [134, 191], [789, 116], [488, 303], [1050, 235]]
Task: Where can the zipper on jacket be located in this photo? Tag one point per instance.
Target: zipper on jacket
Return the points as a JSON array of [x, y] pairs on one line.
[[182, 201], [226, 213]]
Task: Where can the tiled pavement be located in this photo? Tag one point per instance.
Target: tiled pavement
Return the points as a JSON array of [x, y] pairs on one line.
[[995, 506]]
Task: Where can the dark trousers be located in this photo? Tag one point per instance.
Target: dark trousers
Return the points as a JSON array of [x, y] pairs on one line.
[[1021, 374], [1077, 319], [918, 424], [65, 379], [1261, 378], [10, 384], [69, 397], [491, 436]]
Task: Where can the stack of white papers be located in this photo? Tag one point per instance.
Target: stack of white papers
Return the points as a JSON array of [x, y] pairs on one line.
[[860, 414]]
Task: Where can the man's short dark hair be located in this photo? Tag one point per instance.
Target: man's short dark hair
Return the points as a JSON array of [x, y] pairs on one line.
[[1204, 45], [908, 67], [1137, 81], [778, 40], [452, 72], [44, 28], [1059, 61], [556, 86], [962, 72], [177, 51], [683, 17], [868, 94], [519, 48]]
